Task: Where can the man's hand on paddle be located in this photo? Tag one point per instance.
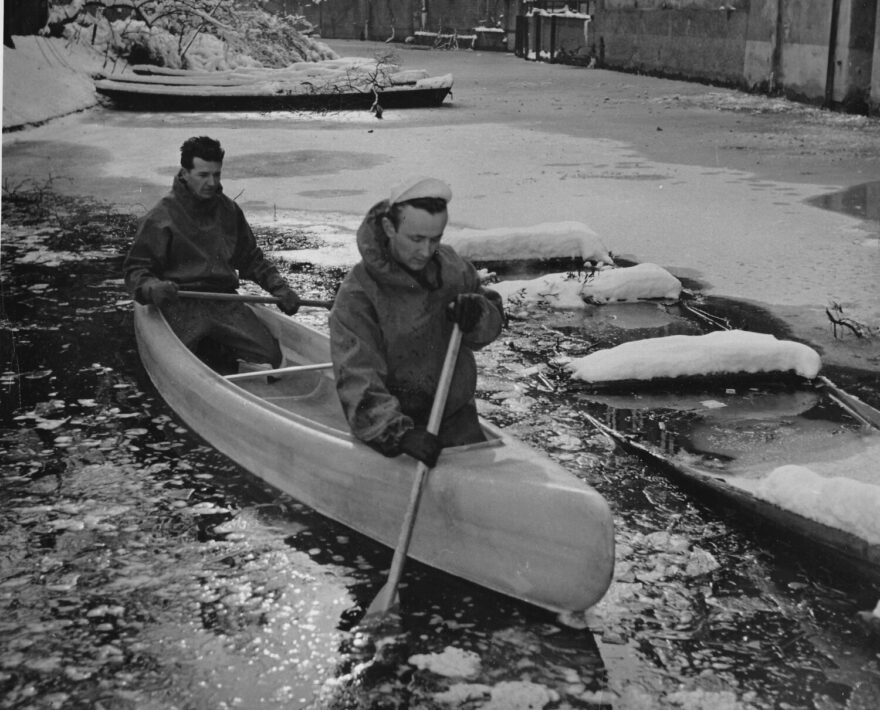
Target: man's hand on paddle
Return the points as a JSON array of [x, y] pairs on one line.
[[288, 300], [466, 310], [421, 445], [160, 293]]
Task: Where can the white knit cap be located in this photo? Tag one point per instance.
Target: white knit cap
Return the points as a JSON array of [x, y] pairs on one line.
[[420, 186]]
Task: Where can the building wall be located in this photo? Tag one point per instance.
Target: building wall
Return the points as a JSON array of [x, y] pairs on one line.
[[874, 96], [692, 43], [821, 51]]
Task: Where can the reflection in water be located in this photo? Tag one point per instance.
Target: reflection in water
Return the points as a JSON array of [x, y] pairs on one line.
[[140, 568], [859, 201]]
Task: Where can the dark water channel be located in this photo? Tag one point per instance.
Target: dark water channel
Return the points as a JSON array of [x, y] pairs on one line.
[[141, 569]]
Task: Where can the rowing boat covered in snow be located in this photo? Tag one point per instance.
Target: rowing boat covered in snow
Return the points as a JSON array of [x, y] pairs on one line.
[[497, 513], [798, 455], [332, 85]]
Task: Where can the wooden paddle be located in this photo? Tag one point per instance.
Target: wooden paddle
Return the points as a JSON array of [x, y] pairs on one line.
[[387, 596], [291, 369], [247, 298]]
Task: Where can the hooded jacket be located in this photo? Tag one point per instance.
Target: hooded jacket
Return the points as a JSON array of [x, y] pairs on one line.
[[201, 245], [388, 334]]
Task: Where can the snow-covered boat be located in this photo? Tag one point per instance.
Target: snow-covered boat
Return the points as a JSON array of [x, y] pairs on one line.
[[497, 513], [343, 84], [800, 456]]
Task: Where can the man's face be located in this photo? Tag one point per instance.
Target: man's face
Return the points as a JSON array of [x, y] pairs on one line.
[[203, 180], [416, 238]]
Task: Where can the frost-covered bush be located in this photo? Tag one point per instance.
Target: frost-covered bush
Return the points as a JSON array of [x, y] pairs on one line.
[[205, 35]]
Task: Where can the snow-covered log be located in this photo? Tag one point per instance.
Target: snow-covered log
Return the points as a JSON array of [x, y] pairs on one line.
[[722, 352], [551, 240], [631, 283]]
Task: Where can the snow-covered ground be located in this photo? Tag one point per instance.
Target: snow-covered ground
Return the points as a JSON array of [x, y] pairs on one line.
[[46, 78]]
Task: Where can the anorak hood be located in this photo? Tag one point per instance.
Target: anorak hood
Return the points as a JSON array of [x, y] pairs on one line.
[[373, 246]]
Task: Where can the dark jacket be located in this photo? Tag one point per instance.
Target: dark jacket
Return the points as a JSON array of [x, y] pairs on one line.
[[389, 331], [201, 245]]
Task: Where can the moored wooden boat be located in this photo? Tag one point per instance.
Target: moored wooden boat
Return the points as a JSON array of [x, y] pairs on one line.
[[497, 513], [293, 91]]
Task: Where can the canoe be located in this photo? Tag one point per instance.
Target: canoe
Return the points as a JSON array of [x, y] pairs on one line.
[[798, 457], [497, 513], [227, 94]]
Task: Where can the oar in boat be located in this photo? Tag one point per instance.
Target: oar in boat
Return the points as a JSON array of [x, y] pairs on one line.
[[387, 596], [291, 369], [247, 298]]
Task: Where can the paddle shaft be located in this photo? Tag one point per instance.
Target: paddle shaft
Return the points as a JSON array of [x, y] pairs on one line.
[[247, 298], [385, 599], [279, 371]]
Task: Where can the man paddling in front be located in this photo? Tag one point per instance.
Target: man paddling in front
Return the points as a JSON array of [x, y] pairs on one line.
[[197, 239], [391, 321]]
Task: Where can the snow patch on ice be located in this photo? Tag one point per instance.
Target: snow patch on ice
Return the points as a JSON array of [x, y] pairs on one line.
[[631, 283], [571, 290], [730, 351], [557, 290]]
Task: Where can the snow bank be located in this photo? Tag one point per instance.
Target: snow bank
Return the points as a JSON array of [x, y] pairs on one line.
[[841, 503], [569, 290], [728, 351], [631, 284], [543, 241], [45, 78]]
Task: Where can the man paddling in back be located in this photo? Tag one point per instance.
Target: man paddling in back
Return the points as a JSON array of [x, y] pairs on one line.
[[391, 321], [197, 239]]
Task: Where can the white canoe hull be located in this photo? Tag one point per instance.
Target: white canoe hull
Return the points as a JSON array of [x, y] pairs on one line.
[[498, 514]]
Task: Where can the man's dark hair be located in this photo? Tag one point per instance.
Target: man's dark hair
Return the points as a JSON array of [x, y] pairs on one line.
[[200, 147], [431, 205]]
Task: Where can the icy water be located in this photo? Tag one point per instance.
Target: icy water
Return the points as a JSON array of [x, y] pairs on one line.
[[141, 569]]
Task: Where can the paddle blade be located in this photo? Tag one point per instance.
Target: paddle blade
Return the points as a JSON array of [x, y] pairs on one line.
[[385, 602]]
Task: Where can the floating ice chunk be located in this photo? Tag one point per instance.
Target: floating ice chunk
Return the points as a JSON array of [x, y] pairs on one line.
[[507, 695], [631, 283], [549, 240], [520, 695], [452, 662], [730, 351]]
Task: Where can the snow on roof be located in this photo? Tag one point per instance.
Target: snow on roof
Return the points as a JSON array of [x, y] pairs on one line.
[[729, 351]]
